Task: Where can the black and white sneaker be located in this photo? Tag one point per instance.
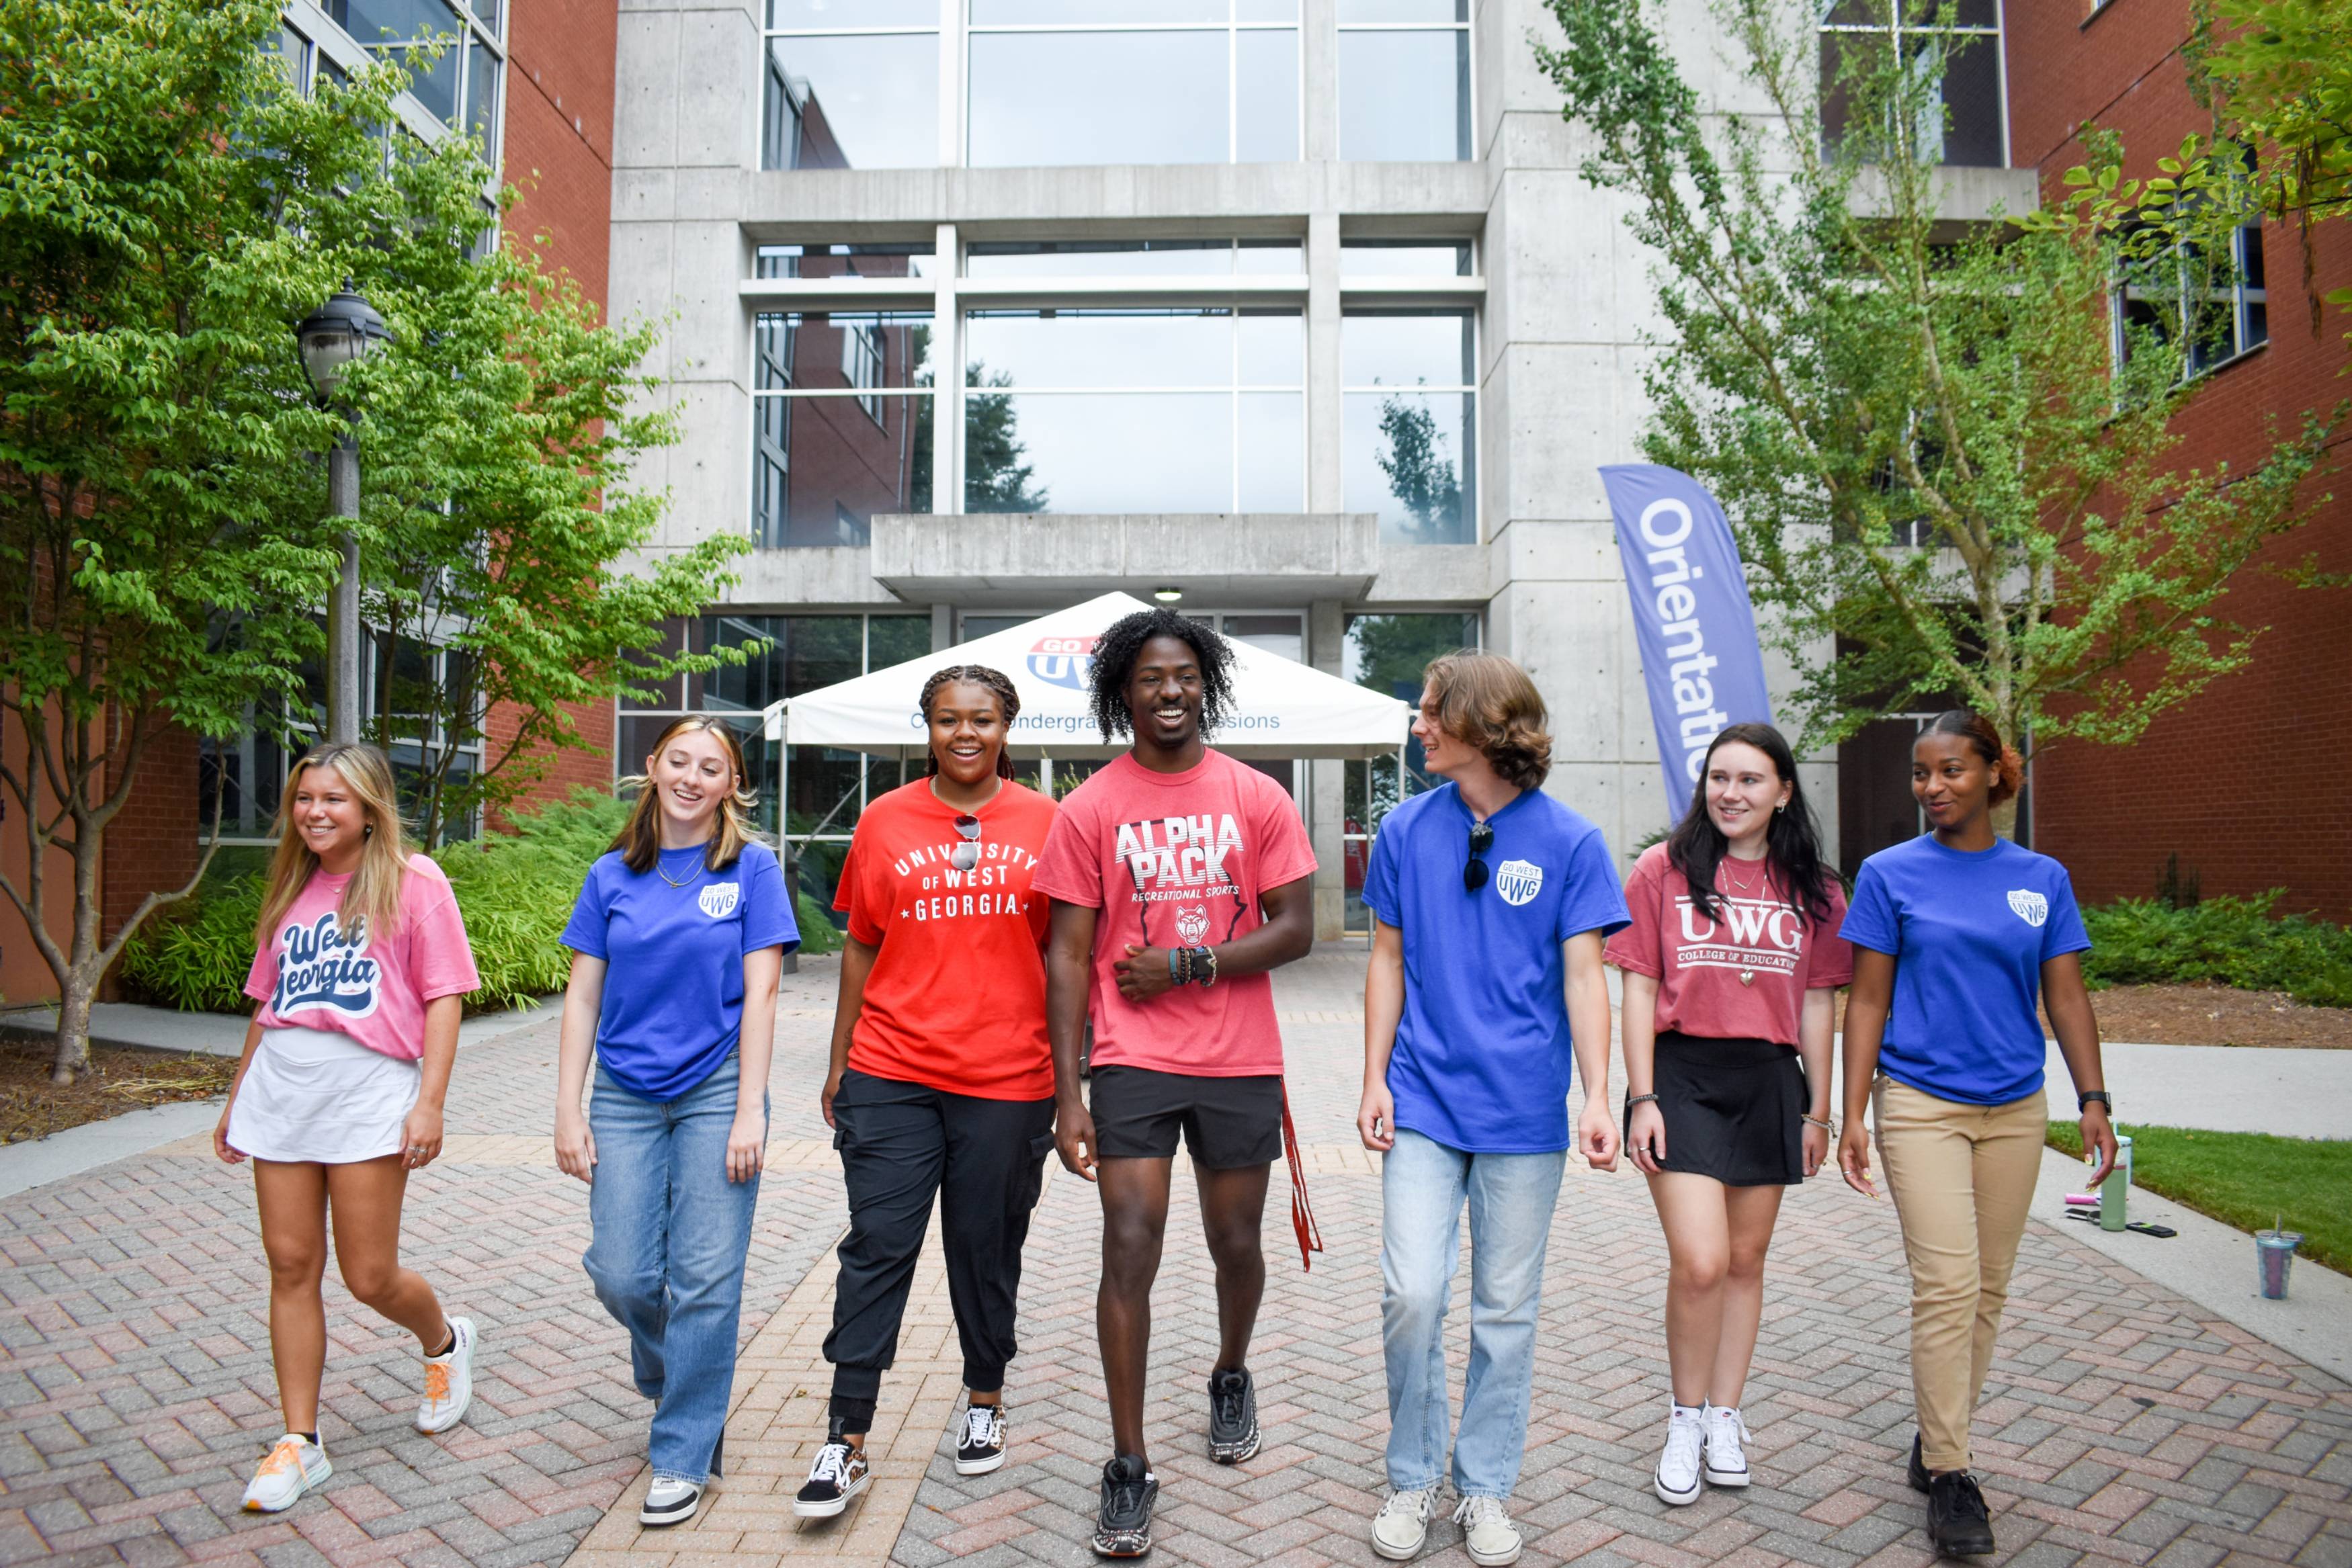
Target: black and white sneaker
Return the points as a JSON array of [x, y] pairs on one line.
[[980, 1447], [1123, 1528], [837, 1474], [671, 1499], [1233, 1417]]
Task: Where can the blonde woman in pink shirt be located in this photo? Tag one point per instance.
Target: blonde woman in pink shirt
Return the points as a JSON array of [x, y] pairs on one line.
[[361, 967]]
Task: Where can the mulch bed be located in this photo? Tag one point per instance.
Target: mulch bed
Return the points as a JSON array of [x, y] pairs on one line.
[[119, 1079], [2210, 1015]]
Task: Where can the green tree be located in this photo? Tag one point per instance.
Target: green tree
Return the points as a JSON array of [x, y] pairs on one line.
[[1420, 476], [995, 479], [159, 531], [1930, 458], [498, 442], [168, 209], [2278, 75]]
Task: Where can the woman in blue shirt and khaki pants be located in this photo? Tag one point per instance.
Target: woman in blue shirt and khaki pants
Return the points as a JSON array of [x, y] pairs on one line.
[[1957, 935]]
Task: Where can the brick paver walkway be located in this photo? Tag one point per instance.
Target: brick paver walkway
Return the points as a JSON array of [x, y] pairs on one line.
[[2123, 1425]]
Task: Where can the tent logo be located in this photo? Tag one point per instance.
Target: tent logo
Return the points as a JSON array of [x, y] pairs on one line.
[[1062, 661]]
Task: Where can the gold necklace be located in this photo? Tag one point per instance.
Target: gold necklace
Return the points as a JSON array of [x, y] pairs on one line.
[[689, 882]]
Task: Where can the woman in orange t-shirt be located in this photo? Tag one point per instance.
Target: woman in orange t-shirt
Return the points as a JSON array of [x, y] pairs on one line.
[[941, 1077]]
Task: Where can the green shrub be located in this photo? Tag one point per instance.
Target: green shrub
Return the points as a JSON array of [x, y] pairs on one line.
[[194, 956], [818, 933], [2225, 941]]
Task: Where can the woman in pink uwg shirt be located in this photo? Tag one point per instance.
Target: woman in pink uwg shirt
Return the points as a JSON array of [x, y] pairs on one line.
[[360, 970], [1731, 964]]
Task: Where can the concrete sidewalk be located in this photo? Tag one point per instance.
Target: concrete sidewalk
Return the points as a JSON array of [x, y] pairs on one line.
[[2221, 1088], [143, 1027]]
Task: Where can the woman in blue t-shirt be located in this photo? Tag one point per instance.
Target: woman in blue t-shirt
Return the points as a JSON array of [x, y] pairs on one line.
[[677, 943], [1957, 935]]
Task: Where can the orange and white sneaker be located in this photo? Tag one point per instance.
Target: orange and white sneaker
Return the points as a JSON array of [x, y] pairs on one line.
[[448, 1381], [294, 1466]]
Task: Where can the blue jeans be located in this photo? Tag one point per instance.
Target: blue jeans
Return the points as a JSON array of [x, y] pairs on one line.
[[669, 1234], [1511, 1196]]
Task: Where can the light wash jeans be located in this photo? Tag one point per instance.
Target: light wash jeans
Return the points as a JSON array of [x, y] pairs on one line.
[[1511, 1196], [669, 1234]]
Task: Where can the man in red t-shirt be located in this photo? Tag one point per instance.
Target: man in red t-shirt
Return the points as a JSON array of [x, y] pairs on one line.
[[1178, 879]]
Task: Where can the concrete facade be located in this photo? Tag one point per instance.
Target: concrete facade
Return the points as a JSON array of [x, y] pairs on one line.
[[1559, 288]]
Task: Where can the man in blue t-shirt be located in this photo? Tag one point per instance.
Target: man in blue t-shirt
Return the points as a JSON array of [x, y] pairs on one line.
[[1491, 902]]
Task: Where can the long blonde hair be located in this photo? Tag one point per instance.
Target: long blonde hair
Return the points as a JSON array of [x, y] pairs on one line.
[[372, 895], [639, 840]]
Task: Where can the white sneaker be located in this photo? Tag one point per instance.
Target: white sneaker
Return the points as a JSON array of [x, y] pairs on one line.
[[1677, 1480], [671, 1499], [295, 1465], [1401, 1525], [1487, 1532], [1726, 1448], [448, 1381]]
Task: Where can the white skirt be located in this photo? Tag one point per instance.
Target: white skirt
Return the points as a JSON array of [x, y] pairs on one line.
[[311, 1095]]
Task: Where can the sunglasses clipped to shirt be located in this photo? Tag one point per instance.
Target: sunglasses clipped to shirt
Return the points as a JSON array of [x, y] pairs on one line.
[[966, 854], [1474, 870]]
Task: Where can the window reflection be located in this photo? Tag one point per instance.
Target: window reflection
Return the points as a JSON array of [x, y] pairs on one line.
[[1109, 410], [911, 259], [1963, 124], [1062, 82], [1410, 446], [851, 100], [1404, 94], [841, 424], [461, 88], [1133, 258], [1404, 257]]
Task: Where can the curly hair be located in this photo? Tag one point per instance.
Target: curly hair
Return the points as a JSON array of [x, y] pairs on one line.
[[2008, 766], [1486, 701], [1117, 650], [997, 683]]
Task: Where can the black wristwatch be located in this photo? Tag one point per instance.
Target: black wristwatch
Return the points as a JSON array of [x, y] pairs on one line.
[[2083, 1101]]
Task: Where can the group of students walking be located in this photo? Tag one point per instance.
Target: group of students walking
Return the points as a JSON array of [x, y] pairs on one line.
[[1092, 980]]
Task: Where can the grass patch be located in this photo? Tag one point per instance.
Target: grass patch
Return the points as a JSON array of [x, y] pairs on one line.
[[2233, 942], [2245, 1179]]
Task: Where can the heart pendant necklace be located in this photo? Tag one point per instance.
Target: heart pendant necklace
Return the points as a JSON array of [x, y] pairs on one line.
[[1747, 977]]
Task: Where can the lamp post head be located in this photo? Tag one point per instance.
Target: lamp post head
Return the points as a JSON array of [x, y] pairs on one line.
[[1167, 595], [344, 329]]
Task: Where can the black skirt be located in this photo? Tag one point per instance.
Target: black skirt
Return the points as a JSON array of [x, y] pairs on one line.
[[1733, 1109]]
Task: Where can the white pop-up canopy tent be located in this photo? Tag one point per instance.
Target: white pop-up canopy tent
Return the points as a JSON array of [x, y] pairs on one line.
[[1281, 707]]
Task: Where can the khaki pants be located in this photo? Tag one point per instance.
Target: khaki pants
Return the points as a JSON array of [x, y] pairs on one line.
[[1962, 1178]]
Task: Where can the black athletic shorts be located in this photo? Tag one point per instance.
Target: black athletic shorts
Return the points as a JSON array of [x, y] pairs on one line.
[[1228, 1123]]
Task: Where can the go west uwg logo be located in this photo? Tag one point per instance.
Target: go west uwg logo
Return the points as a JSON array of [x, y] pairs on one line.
[[1062, 661]]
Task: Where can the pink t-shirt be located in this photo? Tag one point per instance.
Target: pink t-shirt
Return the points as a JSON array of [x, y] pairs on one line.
[[1741, 976], [1177, 859], [310, 975]]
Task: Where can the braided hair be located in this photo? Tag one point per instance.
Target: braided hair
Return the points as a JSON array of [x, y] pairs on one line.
[[1117, 650], [997, 684]]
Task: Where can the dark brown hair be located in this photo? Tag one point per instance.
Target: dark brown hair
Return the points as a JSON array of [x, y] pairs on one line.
[[1793, 846], [639, 840], [1486, 701], [999, 686], [2008, 766]]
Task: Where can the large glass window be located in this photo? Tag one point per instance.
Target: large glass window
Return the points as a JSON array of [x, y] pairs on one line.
[[1135, 259], [2217, 312], [461, 88], [1409, 382], [841, 412], [1388, 653], [871, 260], [850, 87], [1164, 409], [1964, 122], [1405, 81], [1133, 81]]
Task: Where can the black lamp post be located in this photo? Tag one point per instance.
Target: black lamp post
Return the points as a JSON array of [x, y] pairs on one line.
[[344, 329]]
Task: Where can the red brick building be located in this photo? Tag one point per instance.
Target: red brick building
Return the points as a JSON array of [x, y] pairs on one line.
[[2241, 783], [537, 75]]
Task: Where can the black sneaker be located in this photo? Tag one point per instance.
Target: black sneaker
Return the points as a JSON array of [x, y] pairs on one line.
[[1917, 1474], [979, 1448], [1123, 1528], [1958, 1524], [1233, 1417], [837, 1474]]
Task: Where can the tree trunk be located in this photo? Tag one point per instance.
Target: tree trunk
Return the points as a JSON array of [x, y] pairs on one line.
[[74, 998], [2004, 817]]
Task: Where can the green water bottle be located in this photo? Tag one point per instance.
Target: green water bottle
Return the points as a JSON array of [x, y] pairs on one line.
[[2118, 1182]]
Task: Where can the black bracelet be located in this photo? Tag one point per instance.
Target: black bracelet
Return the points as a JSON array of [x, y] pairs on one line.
[[2083, 1101], [1633, 1100]]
